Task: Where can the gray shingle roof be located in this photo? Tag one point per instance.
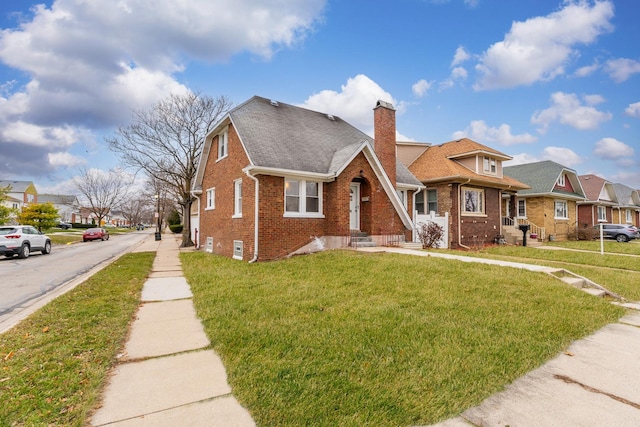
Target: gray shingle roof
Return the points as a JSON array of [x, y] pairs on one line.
[[542, 177], [16, 186], [626, 196], [283, 136]]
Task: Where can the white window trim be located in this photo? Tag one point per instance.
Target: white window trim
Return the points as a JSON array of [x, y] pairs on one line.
[[427, 202], [463, 203], [302, 185], [629, 216], [555, 209], [524, 201], [604, 209], [223, 144], [212, 205], [491, 163], [238, 254], [403, 195], [561, 181], [237, 198]]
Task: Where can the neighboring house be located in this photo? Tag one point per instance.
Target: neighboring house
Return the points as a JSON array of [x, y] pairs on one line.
[[464, 179], [68, 206], [20, 194], [628, 208], [275, 179], [599, 204], [550, 205]]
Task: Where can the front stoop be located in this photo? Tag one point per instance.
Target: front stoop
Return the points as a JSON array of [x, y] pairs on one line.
[[583, 284], [360, 239]]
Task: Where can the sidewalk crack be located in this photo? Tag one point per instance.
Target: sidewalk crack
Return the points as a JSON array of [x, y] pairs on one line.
[[569, 380]]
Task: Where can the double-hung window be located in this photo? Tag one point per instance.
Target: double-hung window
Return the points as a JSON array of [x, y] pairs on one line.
[[211, 199], [522, 208], [302, 198], [629, 217], [223, 148], [473, 201], [237, 198], [402, 194], [602, 213], [561, 181], [432, 201], [490, 165], [561, 210]]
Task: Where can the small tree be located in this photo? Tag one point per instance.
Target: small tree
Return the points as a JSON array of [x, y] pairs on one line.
[[41, 216], [5, 211], [103, 191], [430, 234]]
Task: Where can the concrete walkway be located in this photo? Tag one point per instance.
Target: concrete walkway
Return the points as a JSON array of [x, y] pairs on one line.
[[167, 374]]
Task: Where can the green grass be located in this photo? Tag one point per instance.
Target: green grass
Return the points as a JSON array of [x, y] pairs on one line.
[[610, 246], [53, 365], [349, 339], [618, 273]]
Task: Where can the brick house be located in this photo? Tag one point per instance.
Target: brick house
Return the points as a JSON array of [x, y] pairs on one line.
[[628, 208], [551, 203], [598, 206], [465, 179], [275, 179]]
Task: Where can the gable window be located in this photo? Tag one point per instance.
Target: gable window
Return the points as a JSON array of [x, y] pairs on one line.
[[237, 198], [522, 208], [223, 144], [561, 210], [432, 201], [472, 201], [490, 165], [602, 213], [561, 181], [302, 198], [211, 199]]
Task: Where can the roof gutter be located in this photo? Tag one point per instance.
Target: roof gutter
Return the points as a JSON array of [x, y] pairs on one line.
[[256, 206]]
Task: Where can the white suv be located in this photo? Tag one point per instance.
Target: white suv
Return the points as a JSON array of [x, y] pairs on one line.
[[21, 240]]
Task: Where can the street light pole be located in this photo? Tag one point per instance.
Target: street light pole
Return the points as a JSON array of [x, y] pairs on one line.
[[158, 233]]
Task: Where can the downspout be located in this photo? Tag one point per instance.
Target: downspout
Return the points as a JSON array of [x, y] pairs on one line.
[[199, 205], [460, 215], [414, 213], [256, 205]]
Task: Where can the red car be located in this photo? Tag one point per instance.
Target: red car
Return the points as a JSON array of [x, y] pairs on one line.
[[95, 234]]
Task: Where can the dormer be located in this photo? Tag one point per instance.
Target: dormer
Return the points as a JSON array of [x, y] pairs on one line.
[[481, 161]]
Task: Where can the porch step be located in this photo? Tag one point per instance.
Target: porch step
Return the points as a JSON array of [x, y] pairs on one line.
[[361, 240]]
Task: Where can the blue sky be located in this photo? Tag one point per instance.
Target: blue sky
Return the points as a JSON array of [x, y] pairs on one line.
[[535, 79]]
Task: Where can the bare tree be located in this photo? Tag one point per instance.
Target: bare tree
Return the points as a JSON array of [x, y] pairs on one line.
[[103, 191], [166, 143]]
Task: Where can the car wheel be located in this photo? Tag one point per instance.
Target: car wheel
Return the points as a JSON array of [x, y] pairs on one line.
[[47, 248], [24, 251], [622, 238]]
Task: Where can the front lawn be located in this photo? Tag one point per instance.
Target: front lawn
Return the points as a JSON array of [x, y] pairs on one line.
[[342, 338]]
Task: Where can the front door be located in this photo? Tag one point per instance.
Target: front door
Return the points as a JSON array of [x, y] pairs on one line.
[[354, 206]]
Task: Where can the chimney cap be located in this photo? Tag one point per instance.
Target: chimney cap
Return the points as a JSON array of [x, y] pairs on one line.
[[384, 104]]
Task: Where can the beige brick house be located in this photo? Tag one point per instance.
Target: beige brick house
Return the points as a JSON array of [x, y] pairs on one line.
[[275, 179]]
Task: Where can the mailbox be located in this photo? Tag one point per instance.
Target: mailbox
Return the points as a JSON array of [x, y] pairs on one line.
[[524, 228]]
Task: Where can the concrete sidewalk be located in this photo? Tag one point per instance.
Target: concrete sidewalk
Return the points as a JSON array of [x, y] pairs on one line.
[[167, 374]]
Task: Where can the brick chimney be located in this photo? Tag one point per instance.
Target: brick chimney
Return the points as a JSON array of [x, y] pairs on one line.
[[384, 133]]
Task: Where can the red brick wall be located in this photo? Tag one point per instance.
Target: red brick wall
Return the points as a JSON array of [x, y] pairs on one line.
[[218, 223], [481, 229], [385, 139]]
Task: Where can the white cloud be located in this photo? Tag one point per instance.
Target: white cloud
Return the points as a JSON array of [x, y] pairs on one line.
[[539, 48], [633, 110], [421, 87], [612, 149], [562, 155], [460, 56], [479, 131], [587, 70], [89, 66], [522, 159], [567, 109], [65, 159], [354, 103], [621, 69]]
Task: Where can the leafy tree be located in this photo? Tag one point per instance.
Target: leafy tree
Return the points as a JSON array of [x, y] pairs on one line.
[[166, 143], [173, 218], [5, 211], [41, 216]]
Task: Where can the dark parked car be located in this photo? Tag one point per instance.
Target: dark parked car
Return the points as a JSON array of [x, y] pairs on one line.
[[95, 234], [21, 240], [64, 225], [620, 232]]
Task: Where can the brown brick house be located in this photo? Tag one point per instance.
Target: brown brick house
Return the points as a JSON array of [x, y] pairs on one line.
[[463, 178], [275, 179], [598, 206], [550, 204]]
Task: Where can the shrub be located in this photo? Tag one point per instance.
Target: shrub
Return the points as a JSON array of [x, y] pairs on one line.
[[430, 234], [176, 228]]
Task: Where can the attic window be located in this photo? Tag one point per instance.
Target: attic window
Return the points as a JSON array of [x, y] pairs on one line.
[[561, 181], [490, 165]]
